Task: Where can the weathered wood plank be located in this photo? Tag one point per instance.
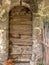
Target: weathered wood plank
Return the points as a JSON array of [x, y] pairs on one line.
[[14, 40], [19, 27], [21, 56], [21, 49], [21, 36], [23, 21]]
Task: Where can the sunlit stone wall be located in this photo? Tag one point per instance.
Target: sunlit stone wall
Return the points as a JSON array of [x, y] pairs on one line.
[[37, 29], [4, 38]]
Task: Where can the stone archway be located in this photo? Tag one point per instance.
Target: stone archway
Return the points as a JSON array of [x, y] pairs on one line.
[[4, 20]]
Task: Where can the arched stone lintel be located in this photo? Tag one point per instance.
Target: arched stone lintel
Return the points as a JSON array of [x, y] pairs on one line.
[[23, 4], [4, 11], [8, 8]]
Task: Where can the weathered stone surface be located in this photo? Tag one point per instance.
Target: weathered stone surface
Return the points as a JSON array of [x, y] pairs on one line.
[[3, 45], [25, 29], [6, 4], [37, 40], [3, 35]]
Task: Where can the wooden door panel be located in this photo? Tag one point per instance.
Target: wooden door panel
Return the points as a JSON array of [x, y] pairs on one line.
[[21, 35]]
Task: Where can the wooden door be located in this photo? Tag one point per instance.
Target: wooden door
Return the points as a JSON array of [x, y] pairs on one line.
[[20, 35]]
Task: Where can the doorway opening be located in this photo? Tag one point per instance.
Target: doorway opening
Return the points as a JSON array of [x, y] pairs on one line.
[[20, 34]]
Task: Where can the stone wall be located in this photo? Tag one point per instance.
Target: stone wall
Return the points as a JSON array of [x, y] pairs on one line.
[[4, 37], [38, 11]]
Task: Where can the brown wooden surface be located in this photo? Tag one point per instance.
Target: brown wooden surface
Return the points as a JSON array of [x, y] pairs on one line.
[[20, 35]]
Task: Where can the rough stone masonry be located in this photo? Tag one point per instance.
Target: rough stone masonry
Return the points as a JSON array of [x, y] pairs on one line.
[[24, 28]]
